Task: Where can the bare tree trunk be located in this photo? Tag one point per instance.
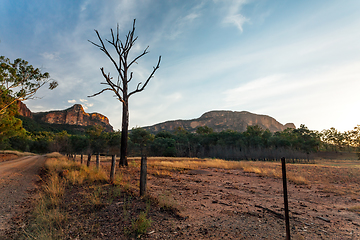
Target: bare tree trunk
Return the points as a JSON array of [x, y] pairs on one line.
[[124, 135], [112, 171], [98, 161], [88, 161], [143, 173], [122, 65]]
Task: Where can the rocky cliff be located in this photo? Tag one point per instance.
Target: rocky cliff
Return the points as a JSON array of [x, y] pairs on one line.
[[23, 110], [74, 115], [223, 120]]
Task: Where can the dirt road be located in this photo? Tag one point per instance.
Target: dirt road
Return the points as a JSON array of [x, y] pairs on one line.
[[17, 178]]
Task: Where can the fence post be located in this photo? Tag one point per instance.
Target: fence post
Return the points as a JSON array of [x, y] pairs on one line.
[[82, 158], [98, 161], [88, 160], [286, 204], [143, 173], [112, 171]]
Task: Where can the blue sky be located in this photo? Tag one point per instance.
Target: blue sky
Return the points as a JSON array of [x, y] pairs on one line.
[[297, 61]]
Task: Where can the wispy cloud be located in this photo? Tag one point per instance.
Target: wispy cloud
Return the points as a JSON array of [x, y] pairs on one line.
[[182, 23], [233, 15], [83, 102], [50, 56]]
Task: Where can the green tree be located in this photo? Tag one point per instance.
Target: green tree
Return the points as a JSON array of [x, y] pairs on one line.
[[332, 137], [355, 137], [97, 138], [204, 130], [163, 147], [10, 126], [253, 136], [79, 143], [114, 141], [61, 142], [141, 137], [42, 142], [20, 81], [306, 140], [122, 65]]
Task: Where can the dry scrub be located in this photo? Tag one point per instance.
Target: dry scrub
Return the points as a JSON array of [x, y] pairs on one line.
[[48, 217]]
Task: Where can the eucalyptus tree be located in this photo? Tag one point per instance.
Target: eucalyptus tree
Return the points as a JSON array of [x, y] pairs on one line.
[[119, 87], [20, 81]]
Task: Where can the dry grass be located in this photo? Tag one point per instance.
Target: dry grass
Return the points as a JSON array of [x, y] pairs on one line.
[[54, 189], [194, 163], [48, 217], [55, 155], [19, 154], [264, 169], [166, 201]]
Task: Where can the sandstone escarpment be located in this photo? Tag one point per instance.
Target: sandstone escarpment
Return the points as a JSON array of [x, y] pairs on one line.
[[223, 120], [23, 110], [74, 115]]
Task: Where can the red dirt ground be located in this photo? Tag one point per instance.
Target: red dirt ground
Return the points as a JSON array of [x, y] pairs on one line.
[[232, 204]]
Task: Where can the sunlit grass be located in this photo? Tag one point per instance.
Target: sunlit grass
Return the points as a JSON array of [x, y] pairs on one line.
[[48, 217], [264, 169], [19, 154]]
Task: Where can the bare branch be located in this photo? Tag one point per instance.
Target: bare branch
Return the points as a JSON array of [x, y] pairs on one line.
[[131, 76], [7, 105], [105, 89], [103, 48], [112, 34], [138, 89], [109, 82], [95, 44], [135, 59]]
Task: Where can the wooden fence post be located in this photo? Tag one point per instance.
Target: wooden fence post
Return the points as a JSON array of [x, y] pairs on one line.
[[143, 173], [112, 171], [98, 161], [82, 158], [88, 161], [286, 204]]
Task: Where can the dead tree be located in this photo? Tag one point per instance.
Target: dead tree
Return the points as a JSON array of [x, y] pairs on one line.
[[120, 87]]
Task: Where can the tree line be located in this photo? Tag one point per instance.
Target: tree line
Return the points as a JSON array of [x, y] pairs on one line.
[[253, 144]]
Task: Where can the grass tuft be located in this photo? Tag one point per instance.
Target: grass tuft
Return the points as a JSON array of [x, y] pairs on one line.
[[166, 201]]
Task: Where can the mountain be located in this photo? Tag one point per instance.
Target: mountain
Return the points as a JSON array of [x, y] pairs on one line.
[[74, 116], [223, 120]]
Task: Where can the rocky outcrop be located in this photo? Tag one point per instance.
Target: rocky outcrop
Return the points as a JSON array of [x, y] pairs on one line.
[[74, 115], [23, 110], [289, 125], [223, 120]]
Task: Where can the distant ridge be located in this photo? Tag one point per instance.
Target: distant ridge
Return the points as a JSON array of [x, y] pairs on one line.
[[74, 115], [222, 120]]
